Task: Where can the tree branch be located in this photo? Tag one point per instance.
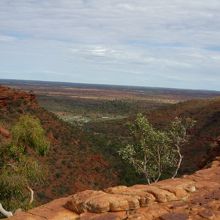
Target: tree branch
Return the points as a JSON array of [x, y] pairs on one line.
[[32, 195], [4, 212], [158, 164], [145, 168]]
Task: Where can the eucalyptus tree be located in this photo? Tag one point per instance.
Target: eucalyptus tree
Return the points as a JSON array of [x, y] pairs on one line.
[[153, 152]]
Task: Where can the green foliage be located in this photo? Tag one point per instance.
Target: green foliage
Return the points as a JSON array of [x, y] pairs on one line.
[[178, 130], [178, 134], [152, 152], [18, 170], [29, 131], [15, 177]]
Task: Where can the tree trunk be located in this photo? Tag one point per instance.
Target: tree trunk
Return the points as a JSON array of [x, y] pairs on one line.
[[179, 162], [145, 169], [158, 177], [158, 164], [147, 178]]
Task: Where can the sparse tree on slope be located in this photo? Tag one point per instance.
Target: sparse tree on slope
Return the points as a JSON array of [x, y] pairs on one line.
[[154, 152], [178, 134]]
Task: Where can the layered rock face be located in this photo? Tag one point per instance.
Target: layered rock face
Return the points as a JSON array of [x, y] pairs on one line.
[[191, 197]]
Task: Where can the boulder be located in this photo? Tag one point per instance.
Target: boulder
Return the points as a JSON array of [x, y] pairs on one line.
[[100, 202]]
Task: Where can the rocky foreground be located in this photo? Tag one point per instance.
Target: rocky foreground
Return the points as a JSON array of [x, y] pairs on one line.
[[192, 197]]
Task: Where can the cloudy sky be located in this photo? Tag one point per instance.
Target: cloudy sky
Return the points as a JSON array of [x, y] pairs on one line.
[[164, 43]]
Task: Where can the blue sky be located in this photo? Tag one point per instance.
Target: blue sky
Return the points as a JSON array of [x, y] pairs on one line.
[[164, 43]]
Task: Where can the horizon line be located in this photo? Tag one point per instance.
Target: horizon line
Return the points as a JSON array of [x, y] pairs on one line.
[[106, 84]]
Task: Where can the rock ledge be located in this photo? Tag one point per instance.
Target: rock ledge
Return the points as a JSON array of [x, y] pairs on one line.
[[192, 197]]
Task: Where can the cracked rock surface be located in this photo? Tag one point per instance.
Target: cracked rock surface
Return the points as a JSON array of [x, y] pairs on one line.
[[193, 197]]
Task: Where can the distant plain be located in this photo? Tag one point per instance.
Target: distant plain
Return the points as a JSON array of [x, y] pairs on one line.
[[83, 103]]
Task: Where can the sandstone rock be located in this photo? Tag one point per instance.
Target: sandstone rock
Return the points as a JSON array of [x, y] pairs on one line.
[[184, 184], [116, 189], [151, 212], [207, 214], [26, 216], [122, 198], [180, 187], [99, 202], [175, 216], [54, 210], [144, 197], [104, 216], [159, 194], [78, 201], [215, 164], [195, 197]]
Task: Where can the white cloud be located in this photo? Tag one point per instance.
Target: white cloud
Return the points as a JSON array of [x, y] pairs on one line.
[[5, 38], [151, 38]]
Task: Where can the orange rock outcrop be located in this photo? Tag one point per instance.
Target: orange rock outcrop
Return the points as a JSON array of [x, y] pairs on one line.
[[193, 197], [8, 96]]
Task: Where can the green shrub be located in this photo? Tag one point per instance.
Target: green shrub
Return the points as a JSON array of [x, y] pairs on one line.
[[19, 172], [28, 131]]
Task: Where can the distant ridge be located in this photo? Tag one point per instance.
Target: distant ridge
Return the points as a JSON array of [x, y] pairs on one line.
[[91, 85]]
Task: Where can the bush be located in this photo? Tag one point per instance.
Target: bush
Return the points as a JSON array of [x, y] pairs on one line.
[[28, 131], [18, 170]]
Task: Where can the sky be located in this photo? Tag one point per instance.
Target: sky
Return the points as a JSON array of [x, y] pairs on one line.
[[159, 43]]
